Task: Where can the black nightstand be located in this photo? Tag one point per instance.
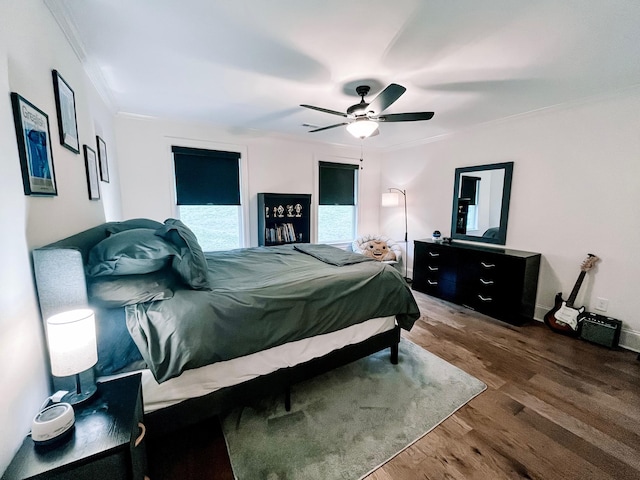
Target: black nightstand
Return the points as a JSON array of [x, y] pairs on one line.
[[107, 441]]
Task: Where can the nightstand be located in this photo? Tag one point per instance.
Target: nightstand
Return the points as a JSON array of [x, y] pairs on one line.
[[107, 441]]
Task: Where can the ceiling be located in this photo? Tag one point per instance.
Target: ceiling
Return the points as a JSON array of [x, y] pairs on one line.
[[248, 64]]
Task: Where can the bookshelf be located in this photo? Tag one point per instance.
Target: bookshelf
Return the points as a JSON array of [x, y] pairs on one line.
[[284, 218]]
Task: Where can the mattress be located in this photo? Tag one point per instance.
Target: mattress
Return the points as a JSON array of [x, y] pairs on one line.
[[204, 380]]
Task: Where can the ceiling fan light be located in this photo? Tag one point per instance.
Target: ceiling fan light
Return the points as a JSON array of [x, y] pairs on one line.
[[362, 128]]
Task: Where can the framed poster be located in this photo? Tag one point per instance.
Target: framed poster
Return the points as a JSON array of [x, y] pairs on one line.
[[102, 158], [91, 163], [34, 147], [66, 108]]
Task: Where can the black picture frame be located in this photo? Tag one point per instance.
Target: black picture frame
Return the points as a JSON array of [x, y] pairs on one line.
[[66, 109], [91, 163], [34, 147], [102, 159]]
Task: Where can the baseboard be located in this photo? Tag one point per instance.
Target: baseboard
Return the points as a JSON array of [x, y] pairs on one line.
[[629, 339]]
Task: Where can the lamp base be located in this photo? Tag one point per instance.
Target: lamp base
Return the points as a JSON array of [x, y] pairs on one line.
[[76, 398]]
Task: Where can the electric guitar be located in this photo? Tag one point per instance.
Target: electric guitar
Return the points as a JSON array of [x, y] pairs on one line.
[[563, 317]]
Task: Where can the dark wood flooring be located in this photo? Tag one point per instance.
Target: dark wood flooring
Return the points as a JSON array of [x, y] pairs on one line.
[[555, 408]]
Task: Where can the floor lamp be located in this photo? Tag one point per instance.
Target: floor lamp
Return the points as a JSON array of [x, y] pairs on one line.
[[392, 199]]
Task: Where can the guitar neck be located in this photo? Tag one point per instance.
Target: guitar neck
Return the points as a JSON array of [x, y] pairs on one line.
[[576, 289]]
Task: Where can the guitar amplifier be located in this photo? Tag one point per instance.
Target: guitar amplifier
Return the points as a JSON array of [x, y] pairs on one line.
[[600, 329]]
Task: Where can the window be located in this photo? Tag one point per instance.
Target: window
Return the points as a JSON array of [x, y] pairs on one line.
[[208, 196], [337, 209]]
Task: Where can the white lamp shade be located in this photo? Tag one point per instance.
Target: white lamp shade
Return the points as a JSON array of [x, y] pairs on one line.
[[362, 128], [390, 199], [72, 342]]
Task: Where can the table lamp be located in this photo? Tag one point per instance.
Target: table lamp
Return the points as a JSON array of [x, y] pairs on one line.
[[71, 337]]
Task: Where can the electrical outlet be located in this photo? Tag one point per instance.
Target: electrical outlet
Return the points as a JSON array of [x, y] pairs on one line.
[[602, 304]]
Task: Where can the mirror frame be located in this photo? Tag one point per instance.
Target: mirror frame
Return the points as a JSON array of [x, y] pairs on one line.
[[504, 210]]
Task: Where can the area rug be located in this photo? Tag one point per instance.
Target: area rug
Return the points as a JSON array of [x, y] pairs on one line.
[[348, 422]]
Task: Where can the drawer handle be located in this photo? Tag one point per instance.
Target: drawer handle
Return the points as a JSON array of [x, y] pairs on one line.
[[485, 299], [487, 265], [432, 254], [433, 269], [143, 432], [431, 282], [486, 282]]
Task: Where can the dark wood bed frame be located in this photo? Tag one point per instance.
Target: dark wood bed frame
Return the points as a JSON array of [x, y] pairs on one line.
[[61, 285], [194, 410]]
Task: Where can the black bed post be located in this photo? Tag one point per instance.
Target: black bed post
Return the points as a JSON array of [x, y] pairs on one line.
[[287, 398], [394, 353]]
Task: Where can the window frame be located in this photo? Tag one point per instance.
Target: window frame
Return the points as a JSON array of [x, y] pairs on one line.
[[316, 196], [243, 173]]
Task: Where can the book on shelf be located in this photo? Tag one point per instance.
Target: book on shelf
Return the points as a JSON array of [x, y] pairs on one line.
[[284, 233]]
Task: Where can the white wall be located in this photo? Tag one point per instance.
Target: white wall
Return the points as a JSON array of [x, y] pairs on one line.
[[274, 164], [575, 191], [31, 45]]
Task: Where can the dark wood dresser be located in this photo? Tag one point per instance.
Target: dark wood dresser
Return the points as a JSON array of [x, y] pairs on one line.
[[498, 282]]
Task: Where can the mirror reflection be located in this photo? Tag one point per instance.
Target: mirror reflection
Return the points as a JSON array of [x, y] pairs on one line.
[[481, 203]]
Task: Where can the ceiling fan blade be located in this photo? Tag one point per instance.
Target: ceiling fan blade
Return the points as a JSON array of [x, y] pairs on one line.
[[405, 117], [330, 126], [385, 98], [325, 110]]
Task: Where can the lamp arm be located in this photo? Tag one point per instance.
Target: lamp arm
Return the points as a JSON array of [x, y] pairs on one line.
[[406, 229], [404, 194]]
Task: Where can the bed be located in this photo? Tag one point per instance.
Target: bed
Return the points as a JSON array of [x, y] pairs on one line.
[[213, 330]]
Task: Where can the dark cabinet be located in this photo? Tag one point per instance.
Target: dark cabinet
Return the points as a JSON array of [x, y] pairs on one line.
[[499, 282], [284, 218]]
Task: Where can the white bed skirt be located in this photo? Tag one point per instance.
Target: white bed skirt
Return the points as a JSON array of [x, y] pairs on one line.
[[204, 380]]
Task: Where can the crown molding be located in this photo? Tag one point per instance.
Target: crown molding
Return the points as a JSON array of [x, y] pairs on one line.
[[632, 90], [63, 16]]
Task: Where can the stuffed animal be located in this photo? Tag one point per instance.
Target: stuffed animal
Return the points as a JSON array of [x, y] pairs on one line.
[[378, 250]]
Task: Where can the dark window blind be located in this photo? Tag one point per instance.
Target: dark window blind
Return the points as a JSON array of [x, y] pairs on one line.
[[206, 177], [337, 183]]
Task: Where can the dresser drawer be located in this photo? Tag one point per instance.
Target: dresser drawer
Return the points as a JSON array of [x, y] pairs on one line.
[[434, 271]]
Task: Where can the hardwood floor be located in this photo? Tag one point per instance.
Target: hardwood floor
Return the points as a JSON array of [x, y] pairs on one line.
[[555, 408]]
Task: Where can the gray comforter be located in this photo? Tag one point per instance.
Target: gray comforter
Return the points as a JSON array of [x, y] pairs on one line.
[[264, 297]]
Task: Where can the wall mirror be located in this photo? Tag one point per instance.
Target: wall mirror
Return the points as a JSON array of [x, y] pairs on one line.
[[481, 203]]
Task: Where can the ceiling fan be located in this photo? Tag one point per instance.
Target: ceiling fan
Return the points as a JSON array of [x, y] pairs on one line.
[[363, 117]]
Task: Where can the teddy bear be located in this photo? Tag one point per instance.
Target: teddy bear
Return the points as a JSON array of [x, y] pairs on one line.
[[378, 250]]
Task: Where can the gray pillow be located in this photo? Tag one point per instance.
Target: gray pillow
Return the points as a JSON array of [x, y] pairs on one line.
[[131, 252], [190, 264], [117, 227], [119, 290]]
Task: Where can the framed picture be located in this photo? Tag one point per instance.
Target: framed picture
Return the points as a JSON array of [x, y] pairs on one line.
[[34, 147], [66, 107], [102, 157], [91, 163]]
